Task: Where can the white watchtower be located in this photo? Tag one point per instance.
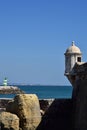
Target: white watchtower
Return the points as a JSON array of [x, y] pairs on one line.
[[72, 55]]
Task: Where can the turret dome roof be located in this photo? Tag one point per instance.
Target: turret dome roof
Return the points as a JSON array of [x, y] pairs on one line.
[[73, 49]]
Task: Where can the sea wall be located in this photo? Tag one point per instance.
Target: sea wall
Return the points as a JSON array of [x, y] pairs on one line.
[[10, 90]]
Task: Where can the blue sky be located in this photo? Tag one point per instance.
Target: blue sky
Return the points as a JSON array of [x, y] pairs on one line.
[[34, 35]]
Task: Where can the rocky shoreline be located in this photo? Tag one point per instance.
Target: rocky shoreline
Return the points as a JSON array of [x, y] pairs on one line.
[[22, 112], [36, 114], [44, 104], [27, 112]]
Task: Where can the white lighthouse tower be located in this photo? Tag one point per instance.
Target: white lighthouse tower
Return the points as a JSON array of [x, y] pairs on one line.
[[72, 55]]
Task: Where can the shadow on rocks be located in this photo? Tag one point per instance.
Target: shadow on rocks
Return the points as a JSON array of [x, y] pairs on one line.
[[58, 116]]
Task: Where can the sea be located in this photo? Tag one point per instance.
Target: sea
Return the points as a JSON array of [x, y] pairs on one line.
[[44, 91]]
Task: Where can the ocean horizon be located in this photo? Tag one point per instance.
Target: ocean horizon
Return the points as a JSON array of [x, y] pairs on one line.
[[44, 91]]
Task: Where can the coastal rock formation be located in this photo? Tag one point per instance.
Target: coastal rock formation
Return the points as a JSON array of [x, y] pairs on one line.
[[26, 107], [57, 113], [9, 121], [10, 90]]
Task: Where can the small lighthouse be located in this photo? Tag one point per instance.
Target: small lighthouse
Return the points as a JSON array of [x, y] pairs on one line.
[[5, 81], [72, 55]]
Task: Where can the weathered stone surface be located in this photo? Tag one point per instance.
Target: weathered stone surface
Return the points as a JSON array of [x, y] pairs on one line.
[[80, 105], [9, 121], [26, 106]]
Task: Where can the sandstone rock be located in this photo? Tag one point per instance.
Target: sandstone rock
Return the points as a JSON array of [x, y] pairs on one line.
[[27, 108], [9, 121]]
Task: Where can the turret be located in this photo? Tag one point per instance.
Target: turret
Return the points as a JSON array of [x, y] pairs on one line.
[[72, 55]]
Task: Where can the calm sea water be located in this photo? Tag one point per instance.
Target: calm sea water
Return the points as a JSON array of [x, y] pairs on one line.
[[44, 92]]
